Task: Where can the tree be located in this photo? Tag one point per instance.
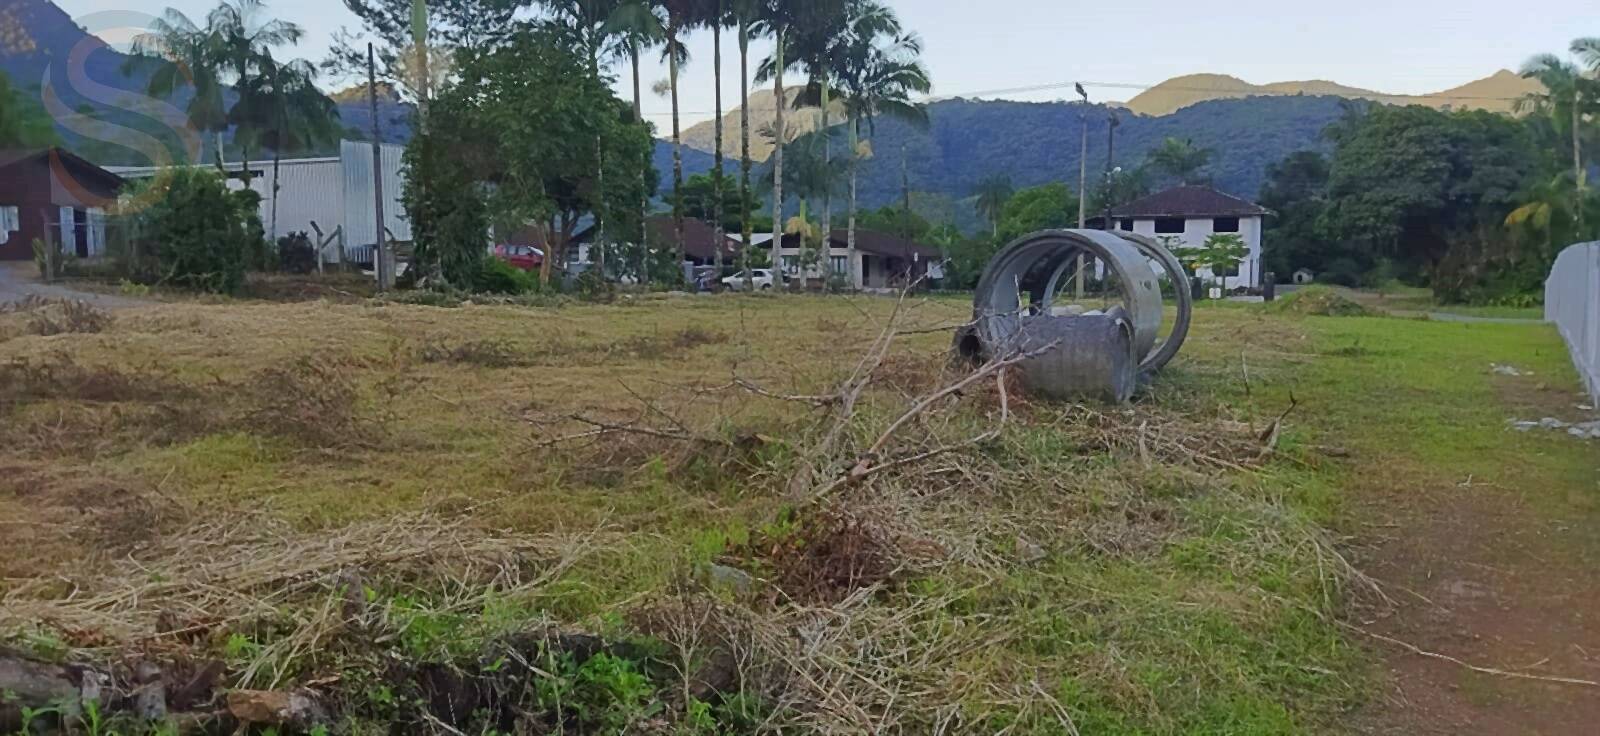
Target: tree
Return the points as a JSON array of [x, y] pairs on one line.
[[817, 45], [810, 175], [192, 59], [1220, 254], [992, 192], [283, 110], [719, 205], [480, 25], [879, 71], [1179, 159], [638, 27], [513, 143], [777, 18], [1297, 192], [243, 40], [1566, 98], [1044, 207], [745, 13], [23, 123]]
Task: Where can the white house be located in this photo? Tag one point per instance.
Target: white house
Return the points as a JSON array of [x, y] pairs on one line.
[[883, 260], [1183, 217]]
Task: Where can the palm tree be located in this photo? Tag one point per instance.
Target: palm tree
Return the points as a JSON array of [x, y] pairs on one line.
[[877, 78], [777, 19], [681, 15], [590, 22], [244, 39], [284, 111], [818, 47], [993, 192], [715, 16], [1562, 100], [810, 175], [190, 53], [745, 12], [1180, 159], [638, 26]]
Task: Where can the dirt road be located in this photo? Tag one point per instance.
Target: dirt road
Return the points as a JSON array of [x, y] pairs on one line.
[[20, 280]]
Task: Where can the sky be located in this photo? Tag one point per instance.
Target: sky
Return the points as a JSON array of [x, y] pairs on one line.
[[973, 49]]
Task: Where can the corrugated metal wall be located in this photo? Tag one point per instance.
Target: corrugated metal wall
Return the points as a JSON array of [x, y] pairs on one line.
[[1572, 301], [310, 190], [359, 213]]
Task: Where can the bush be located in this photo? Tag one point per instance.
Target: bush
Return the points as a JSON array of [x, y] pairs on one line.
[[201, 234], [498, 277], [296, 254]]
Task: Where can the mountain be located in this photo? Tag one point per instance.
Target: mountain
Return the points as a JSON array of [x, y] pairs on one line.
[[1496, 93], [702, 136], [1038, 142], [103, 113]]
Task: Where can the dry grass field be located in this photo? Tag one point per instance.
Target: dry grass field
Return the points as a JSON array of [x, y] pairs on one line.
[[718, 515]]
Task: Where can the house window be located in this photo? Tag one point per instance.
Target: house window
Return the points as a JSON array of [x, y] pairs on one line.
[[791, 265], [1169, 225], [1125, 225], [1225, 225], [839, 264]]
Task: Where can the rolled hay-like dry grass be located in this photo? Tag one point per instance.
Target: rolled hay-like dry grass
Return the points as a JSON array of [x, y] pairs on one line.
[[215, 575], [36, 315]]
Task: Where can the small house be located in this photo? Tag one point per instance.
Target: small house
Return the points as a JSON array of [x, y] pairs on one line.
[[883, 260], [1184, 217], [54, 196]]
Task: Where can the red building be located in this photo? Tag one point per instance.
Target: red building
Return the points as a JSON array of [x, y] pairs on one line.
[[53, 195]]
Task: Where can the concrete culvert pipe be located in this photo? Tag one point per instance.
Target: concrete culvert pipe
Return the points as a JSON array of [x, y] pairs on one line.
[[1015, 303]]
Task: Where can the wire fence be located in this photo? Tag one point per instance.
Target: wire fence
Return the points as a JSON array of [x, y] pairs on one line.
[[1572, 302]]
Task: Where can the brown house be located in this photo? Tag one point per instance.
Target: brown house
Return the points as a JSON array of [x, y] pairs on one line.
[[51, 194], [700, 240]]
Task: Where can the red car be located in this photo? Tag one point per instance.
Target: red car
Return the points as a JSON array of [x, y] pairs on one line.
[[523, 257]]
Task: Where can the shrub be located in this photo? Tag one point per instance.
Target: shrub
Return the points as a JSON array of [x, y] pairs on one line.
[[498, 277], [201, 234], [296, 254]]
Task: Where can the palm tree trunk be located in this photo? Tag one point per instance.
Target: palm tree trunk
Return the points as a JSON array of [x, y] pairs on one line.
[[854, 282], [677, 147], [777, 165], [599, 205], [716, 178], [277, 161], [827, 194], [744, 152], [1577, 165], [644, 203]]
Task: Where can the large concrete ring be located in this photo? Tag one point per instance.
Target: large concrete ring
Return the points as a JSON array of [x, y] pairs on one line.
[[1033, 264]]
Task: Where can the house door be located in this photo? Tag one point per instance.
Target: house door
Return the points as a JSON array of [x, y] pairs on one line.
[[80, 233]]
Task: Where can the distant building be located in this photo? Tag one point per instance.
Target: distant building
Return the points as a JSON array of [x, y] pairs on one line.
[[1183, 217], [883, 260], [322, 196], [53, 195], [1304, 276]]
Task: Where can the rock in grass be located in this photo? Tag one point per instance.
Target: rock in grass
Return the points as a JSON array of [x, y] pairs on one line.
[[277, 708]]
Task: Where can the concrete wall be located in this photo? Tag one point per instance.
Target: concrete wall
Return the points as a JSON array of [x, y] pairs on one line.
[[1195, 232], [1572, 302]]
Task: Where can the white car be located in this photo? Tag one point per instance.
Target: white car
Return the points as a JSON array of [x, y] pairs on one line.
[[761, 277]]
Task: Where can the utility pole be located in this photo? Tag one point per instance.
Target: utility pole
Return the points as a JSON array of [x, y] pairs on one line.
[[1083, 160], [380, 254], [1083, 183], [905, 194], [1111, 157]]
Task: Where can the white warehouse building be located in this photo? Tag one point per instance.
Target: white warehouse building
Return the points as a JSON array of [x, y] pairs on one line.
[[332, 195], [1183, 217]]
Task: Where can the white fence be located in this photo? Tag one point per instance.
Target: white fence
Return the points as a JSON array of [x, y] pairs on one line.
[[1572, 302]]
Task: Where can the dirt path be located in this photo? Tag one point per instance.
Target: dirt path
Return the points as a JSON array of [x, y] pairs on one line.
[[20, 280], [1497, 572]]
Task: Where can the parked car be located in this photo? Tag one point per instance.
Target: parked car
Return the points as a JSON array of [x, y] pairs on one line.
[[761, 277], [523, 257]]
